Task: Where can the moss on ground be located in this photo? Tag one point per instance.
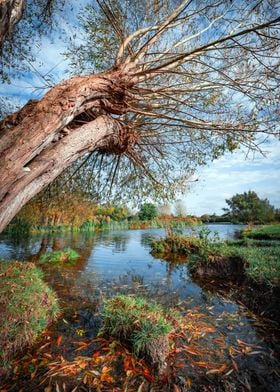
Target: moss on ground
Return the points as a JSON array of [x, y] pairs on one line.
[[27, 306]]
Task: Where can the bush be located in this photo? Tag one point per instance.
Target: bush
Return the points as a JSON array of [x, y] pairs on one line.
[[27, 306]]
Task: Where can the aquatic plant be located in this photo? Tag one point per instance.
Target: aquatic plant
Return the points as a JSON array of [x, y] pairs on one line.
[[68, 256]]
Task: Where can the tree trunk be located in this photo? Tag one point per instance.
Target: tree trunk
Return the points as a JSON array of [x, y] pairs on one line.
[[35, 144], [10, 13]]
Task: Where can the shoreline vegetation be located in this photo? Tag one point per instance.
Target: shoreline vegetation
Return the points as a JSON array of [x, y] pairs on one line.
[[21, 227], [252, 262], [72, 212]]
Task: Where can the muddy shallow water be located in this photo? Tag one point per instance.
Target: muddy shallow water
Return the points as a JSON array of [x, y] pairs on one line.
[[244, 347]]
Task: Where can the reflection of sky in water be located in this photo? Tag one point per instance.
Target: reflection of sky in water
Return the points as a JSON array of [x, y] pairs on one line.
[[122, 260]]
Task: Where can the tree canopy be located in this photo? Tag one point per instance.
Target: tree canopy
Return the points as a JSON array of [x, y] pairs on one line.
[[148, 211], [186, 82], [247, 207]]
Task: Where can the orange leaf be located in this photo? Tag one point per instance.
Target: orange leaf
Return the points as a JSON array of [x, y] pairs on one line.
[[58, 340], [81, 343], [179, 365], [148, 375], [192, 350], [219, 370], [205, 365], [234, 365]]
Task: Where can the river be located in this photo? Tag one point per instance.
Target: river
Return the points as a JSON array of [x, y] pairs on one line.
[[120, 262]]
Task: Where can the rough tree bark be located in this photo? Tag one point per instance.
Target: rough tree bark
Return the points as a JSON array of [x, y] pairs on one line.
[[156, 98], [10, 13], [36, 146]]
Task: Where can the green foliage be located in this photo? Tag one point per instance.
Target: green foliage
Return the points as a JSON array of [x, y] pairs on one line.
[[134, 320], [266, 232], [60, 257], [249, 208], [27, 306], [148, 211]]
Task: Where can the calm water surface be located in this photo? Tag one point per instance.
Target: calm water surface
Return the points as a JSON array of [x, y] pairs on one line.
[[120, 262]]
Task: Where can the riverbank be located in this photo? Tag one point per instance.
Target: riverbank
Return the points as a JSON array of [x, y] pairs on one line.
[[253, 265], [95, 226], [267, 232]]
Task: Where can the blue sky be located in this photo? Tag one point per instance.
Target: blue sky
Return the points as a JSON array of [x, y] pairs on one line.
[[235, 173], [219, 180]]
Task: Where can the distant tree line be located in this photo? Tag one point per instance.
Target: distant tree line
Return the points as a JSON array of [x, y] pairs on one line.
[[247, 208]]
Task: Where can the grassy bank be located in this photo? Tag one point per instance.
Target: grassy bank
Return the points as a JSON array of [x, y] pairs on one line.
[[19, 227], [268, 232], [27, 305], [261, 259]]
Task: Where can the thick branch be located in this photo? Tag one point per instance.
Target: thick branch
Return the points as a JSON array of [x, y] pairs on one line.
[[51, 162], [28, 132], [10, 13]]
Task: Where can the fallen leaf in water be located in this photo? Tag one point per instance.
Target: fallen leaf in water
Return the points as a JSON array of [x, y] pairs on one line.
[[148, 375], [188, 382], [204, 364], [234, 365], [192, 350], [255, 352], [59, 340], [81, 344], [219, 370], [42, 347], [179, 365], [229, 372]]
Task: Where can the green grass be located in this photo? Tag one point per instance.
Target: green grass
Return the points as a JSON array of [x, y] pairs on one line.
[[271, 232], [263, 263], [60, 257], [27, 305], [261, 257], [134, 320]]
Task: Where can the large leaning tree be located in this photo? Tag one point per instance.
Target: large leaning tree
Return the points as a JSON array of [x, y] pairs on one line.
[[201, 80]]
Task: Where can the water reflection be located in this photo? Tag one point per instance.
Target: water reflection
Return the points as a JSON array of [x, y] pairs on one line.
[[120, 262]]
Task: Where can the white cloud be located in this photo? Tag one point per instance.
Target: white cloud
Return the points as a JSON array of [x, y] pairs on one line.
[[234, 174]]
